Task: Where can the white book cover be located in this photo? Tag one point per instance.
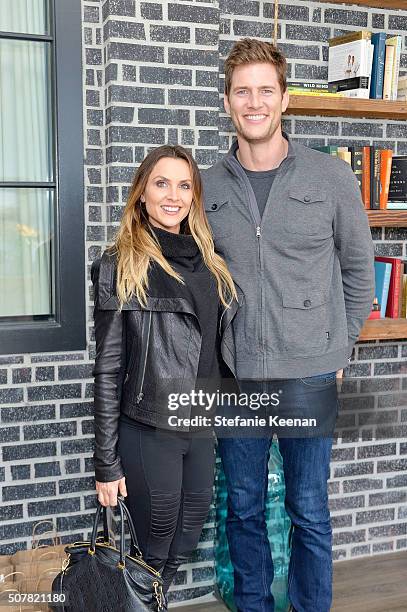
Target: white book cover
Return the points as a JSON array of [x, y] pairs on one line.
[[350, 67]]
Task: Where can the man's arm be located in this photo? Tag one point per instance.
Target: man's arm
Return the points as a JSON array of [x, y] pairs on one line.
[[355, 251]]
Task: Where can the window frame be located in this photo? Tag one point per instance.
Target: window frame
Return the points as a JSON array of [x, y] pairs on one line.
[[66, 330]]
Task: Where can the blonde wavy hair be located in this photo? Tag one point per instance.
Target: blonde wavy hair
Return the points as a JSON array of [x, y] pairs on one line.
[[136, 247]]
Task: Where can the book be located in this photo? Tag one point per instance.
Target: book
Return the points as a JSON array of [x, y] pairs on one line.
[[313, 92], [366, 176], [403, 313], [313, 85], [345, 154], [379, 54], [382, 283], [356, 163], [350, 63], [330, 149], [396, 206], [375, 178], [392, 304], [395, 41], [388, 72], [384, 179], [398, 180]]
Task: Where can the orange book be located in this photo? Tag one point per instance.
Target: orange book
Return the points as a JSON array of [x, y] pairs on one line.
[[366, 177], [386, 156]]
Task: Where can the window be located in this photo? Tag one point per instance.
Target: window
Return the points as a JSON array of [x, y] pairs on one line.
[[42, 285]]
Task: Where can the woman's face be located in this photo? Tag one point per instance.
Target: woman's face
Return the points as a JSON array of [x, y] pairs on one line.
[[168, 193]]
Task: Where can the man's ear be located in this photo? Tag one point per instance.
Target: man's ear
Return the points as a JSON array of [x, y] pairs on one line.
[[226, 103], [285, 100]]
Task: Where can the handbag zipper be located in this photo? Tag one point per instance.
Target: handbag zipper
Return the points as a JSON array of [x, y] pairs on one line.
[[144, 348], [137, 559]]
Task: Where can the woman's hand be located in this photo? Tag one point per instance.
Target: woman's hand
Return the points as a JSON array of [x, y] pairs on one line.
[[108, 491]]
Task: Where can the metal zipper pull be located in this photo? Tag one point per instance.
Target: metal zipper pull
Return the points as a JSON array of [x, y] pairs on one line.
[[258, 232]]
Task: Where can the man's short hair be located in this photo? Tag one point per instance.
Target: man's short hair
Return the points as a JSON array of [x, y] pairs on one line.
[[254, 51]]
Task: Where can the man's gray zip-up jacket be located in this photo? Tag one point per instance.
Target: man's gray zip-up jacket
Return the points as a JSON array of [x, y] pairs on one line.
[[305, 268]]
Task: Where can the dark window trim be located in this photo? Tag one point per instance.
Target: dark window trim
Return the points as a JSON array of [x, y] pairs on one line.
[[67, 331]]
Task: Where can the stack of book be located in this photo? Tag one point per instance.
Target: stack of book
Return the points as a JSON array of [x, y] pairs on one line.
[[391, 287], [313, 88], [373, 169], [366, 65]]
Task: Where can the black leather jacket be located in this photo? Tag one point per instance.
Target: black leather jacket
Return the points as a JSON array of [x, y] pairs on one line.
[[142, 355]]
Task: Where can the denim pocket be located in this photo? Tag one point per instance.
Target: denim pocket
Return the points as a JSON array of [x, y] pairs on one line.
[[319, 381]]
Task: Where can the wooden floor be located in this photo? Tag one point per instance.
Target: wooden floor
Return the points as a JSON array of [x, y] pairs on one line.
[[373, 584]]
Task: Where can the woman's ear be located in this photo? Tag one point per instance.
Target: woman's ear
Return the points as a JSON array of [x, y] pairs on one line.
[[142, 199]]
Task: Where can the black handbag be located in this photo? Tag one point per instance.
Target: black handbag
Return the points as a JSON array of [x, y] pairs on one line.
[[97, 577]]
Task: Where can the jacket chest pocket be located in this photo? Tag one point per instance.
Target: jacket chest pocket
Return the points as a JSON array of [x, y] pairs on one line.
[[218, 214], [308, 212], [305, 330]]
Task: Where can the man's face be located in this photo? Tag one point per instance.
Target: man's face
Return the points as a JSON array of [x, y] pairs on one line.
[[255, 102]]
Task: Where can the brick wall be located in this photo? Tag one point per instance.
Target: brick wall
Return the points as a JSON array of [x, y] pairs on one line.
[[152, 73]]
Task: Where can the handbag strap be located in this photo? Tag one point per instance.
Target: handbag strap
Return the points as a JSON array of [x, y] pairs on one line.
[[123, 512], [132, 529]]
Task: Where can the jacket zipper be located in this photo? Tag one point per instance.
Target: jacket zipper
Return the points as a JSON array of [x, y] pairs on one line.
[[145, 343]]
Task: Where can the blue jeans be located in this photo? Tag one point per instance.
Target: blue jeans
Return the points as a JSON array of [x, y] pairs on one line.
[[306, 471]]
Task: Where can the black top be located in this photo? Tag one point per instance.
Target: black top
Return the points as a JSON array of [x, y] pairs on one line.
[[261, 182]]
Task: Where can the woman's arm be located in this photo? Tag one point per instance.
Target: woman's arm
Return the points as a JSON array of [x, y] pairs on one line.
[[110, 336]]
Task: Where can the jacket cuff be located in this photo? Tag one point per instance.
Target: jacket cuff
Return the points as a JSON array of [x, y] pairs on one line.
[[110, 472]]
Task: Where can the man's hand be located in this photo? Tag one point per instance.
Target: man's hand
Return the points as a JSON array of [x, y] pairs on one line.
[[108, 491]]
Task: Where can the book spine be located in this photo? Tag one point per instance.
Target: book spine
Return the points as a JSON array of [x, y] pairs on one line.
[[404, 301], [379, 54], [375, 179], [366, 177], [392, 309], [388, 72], [356, 163], [396, 68], [386, 287], [386, 156], [400, 284]]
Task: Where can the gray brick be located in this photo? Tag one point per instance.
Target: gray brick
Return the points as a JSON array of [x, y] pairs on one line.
[[376, 450], [3, 377], [21, 375], [50, 392], [310, 52], [193, 14], [44, 373], [158, 75], [20, 472], [72, 466], [402, 513], [300, 32], [29, 451], [8, 513], [9, 434], [136, 134], [382, 547], [387, 531], [362, 129], [143, 95], [94, 117], [362, 484], [224, 26], [124, 29], [316, 15], [346, 17], [11, 396], [311, 72], [375, 516], [27, 413], [111, 73], [304, 126], [391, 465], [377, 352], [94, 157], [93, 56], [91, 14], [67, 372], [342, 520], [92, 98], [363, 549], [163, 116], [204, 117], [206, 36], [187, 137], [388, 497], [10, 359], [240, 7], [71, 447], [354, 469], [135, 53], [95, 214], [68, 523], [27, 491], [71, 485], [151, 11], [252, 28], [347, 537], [206, 78], [397, 481], [396, 130], [182, 97], [119, 154], [287, 12], [172, 34], [120, 114], [345, 503], [378, 21], [398, 233], [89, 464], [120, 174], [208, 138], [125, 8], [401, 544], [206, 157], [398, 22], [53, 506], [193, 57], [49, 468], [94, 233]]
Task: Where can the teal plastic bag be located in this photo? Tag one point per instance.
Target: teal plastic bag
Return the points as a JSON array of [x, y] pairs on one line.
[[278, 525]]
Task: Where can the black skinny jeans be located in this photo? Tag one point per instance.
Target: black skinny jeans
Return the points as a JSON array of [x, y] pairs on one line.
[[169, 480]]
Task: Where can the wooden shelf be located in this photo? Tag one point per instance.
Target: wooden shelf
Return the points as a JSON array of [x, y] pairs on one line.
[[382, 4], [384, 329], [346, 107], [387, 218]]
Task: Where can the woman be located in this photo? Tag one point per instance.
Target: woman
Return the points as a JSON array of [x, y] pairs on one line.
[[158, 293]]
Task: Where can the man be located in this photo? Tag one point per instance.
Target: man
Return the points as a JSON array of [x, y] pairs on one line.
[[291, 225]]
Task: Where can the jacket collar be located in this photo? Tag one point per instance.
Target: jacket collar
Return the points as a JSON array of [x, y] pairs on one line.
[[230, 156]]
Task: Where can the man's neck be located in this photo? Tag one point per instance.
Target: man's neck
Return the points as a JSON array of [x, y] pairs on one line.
[[262, 156]]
